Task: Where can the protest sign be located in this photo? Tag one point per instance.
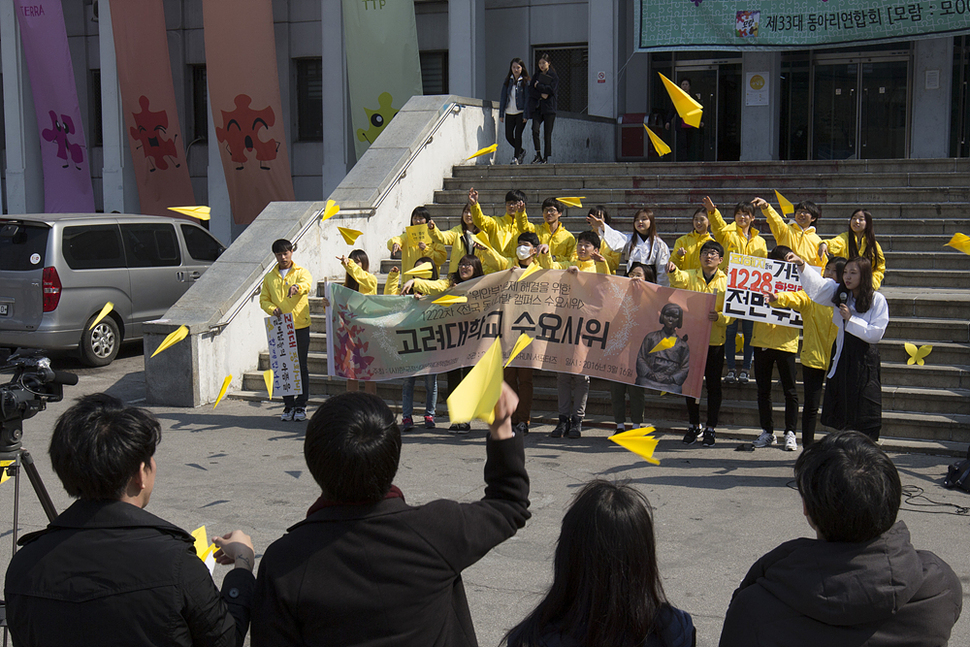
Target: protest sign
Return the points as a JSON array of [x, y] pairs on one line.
[[589, 324], [748, 277], [284, 359], [418, 234]]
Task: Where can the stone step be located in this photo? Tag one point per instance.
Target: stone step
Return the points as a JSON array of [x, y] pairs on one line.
[[945, 259]]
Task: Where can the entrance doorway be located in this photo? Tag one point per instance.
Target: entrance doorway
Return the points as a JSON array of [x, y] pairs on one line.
[[960, 124]]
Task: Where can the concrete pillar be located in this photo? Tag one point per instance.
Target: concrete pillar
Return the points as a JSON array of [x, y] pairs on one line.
[[336, 115], [603, 34], [118, 176], [466, 48], [25, 171], [932, 88], [760, 124]]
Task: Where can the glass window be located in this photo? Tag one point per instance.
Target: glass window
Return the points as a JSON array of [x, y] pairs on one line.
[[200, 108], [572, 66], [91, 247], [95, 128], [18, 243], [309, 98], [151, 245], [201, 244], [434, 72]]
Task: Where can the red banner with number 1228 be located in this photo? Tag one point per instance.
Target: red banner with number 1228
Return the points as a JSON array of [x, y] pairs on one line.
[[747, 279]]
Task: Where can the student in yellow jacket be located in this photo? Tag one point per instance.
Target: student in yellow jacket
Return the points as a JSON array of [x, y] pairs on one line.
[[707, 278], [286, 290], [776, 345], [818, 335], [685, 253], [461, 238], [501, 232], [739, 237], [860, 240], [799, 235], [562, 244], [359, 279], [411, 252]]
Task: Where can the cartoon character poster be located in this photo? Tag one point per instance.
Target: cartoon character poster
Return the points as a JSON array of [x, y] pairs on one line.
[[148, 102], [383, 65], [64, 153], [244, 92]]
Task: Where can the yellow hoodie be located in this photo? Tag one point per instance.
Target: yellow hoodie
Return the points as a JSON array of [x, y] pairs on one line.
[[694, 281], [818, 331], [366, 281], [734, 240], [803, 242], [691, 242], [275, 291], [839, 246]]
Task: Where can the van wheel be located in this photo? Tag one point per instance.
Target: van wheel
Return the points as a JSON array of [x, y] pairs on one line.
[[100, 345]]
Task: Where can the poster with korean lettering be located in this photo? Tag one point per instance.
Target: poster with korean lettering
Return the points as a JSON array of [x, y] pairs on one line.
[[748, 277], [602, 326], [283, 357]]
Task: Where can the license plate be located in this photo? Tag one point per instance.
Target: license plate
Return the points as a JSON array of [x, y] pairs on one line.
[[3, 309]]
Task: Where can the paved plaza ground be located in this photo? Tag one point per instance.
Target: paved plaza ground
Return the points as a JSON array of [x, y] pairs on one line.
[[716, 510]]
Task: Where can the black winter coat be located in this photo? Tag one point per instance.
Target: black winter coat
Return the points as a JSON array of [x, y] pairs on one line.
[[538, 105]]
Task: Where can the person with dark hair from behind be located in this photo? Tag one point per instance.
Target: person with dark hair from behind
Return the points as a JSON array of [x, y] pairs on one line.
[[107, 572], [860, 582], [366, 568], [606, 587]]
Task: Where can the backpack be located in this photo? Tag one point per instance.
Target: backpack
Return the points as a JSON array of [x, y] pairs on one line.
[[958, 475]]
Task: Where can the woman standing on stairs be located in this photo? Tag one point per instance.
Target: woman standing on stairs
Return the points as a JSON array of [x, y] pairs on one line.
[[513, 107], [853, 392], [860, 240], [542, 105]]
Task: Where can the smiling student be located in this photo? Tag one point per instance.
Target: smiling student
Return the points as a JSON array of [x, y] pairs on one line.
[[685, 255], [799, 235], [643, 245], [860, 240]]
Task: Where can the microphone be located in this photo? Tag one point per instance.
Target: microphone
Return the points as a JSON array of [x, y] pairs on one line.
[[843, 297]]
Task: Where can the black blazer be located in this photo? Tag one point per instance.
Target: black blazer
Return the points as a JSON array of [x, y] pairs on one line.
[[540, 106]]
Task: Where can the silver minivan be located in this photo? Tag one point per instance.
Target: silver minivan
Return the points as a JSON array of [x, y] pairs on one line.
[[57, 272]]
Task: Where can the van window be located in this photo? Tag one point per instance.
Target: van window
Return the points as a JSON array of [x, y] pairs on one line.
[[18, 243], [201, 244], [151, 245], [92, 247]]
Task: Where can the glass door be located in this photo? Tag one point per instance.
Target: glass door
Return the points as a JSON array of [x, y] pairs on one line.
[[717, 87], [834, 123], [960, 107], [883, 101]]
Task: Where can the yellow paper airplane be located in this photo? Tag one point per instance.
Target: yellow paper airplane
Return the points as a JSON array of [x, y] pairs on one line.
[[484, 151], [108, 307], [476, 395], [350, 235], [173, 338], [450, 300], [529, 271], [268, 380], [222, 391], [330, 210], [738, 343], [638, 441], [916, 355], [202, 213], [664, 344], [659, 145], [960, 242], [4, 476], [687, 107], [573, 202], [786, 206], [201, 541], [478, 238], [422, 271], [520, 344]]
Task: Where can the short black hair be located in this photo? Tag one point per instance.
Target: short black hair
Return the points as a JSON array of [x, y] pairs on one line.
[[353, 447], [810, 207], [421, 212], [850, 487], [745, 206], [713, 244], [515, 196], [530, 237], [552, 202], [282, 245], [99, 444], [590, 237], [779, 253]]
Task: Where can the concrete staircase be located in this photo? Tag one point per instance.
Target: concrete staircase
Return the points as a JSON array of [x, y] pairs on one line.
[[917, 205]]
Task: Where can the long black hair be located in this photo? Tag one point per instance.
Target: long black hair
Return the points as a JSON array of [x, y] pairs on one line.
[[606, 588], [863, 300], [358, 256], [868, 235], [523, 75], [472, 260]]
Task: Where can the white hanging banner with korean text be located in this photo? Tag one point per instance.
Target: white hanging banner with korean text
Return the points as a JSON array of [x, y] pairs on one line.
[[283, 356]]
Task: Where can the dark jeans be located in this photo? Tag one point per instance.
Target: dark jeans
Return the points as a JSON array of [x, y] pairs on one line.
[[812, 380], [618, 393], [712, 378], [730, 346], [764, 361], [514, 125], [550, 120], [302, 348], [455, 377]]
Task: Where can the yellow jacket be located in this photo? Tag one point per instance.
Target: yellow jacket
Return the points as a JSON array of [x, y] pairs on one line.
[[429, 286], [366, 281], [734, 240], [562, 244], [612, 258], [411, 253], [392, 287], [775, 337], [492, 262], [818, 331], [803, 242], [839, 246], [596, 267], [503, 232], [275, 291], [453, 238], [692, 242], [694, 281]]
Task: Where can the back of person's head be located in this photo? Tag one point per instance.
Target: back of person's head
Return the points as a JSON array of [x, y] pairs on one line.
[[744, 207], [606, 587], [849, 486], [99, 444], [434, 268], [515, 195], [552, 202], [590, 237], [809, 207], [352, 448], [779, 253], [712, 244], [530, 237], [420, 213], [282, 245]]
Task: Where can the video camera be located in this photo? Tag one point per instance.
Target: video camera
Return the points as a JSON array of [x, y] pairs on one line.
[[33, 385]]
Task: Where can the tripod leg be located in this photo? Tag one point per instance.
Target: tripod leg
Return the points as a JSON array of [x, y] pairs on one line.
[[45, 499]]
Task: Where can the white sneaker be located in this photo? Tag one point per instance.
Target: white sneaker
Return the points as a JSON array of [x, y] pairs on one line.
[[287, 415], [791, 445], [299, 414], [766, 439]]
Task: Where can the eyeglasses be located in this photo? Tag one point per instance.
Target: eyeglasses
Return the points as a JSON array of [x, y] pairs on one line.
[[710, 252]]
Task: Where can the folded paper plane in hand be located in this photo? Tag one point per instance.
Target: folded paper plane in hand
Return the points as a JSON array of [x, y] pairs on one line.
[[658, 144], [422, 271], [638, 441], [204, 549], [173, 338], [201, 212], [687, 107], [350, 235], [477, 394], [484, 151]]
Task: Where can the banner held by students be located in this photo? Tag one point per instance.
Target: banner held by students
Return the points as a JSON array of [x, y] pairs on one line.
[[589, 324], [747, 279]]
